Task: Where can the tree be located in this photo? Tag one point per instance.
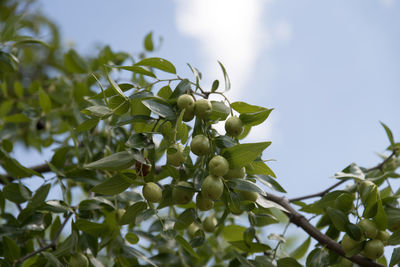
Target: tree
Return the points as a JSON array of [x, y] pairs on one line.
[[161, 186]]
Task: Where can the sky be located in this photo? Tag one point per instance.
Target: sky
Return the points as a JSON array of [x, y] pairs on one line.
[[328, 68]]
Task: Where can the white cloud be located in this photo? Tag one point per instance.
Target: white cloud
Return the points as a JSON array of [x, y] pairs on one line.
[[234, 32]]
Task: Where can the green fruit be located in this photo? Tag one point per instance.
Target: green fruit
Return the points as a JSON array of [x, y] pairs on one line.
[[78, 260], [218, 166], [210, 223], [250, 196], [120, 213], [212, 187], [369, 228], [348, 244], [234, 126], [203, 203], [200, 145], [346, 263], [373, 249], [152, 192], [176, 158], [344, 202], [182, 196], [188, 115], [203, 108], [185, 102], [192, 229], [235, 173], [383, 236]]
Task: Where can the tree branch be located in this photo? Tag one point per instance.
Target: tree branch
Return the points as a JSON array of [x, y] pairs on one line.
[[52, 244], [324, 192], [324, 240]]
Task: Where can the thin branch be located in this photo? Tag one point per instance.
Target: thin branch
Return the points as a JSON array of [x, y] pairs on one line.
[[52, 244], [324, 192], [324, 240]]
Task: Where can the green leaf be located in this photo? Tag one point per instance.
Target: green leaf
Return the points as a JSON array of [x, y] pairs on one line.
[[148, 42], [74, 62], [97, 111], [388, 133], [44, 100], [165, 92], [220, 111], [259, 167], [92, 228], [245, 185], [214, 86], [87, 125], [14, 168], [114, 185], [51, 259], [255, 118], [117, 161], [186, 246], [16, 193], [270, 182], [318, 258], [338, 218], [11, 250], [243, 154], [161, 108], [251, 248], [131, 213], [233, 232], [40, 196], [119, 105], [243, 107], [288, 262], [16, 118], [248, 235], [55, 227], [395, 259], [226, 77], [262, 219], [354, 231], [299, 252], [18, 89], [185, 219], [182, 88], [135, 69], [115, 86], [380, 218], [158, 63], [394, 239]]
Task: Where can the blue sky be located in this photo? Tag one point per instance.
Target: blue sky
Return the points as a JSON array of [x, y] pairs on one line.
[[329, 68]]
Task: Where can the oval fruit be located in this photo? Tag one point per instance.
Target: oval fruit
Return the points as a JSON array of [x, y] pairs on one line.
[[234, 126], [250, 196], [218, 166], [348, 243], [200, 145], [383, 236], [235, 173], [210, 223], [192, 229], [369, 227], [374, 249], [185, 102], [203, 108], [212, 187], [152, 192], [78, 260], [203, 203], [177, 158], [182, 196]]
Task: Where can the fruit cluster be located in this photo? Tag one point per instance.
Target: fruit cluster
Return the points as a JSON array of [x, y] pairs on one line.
[[218, 170]]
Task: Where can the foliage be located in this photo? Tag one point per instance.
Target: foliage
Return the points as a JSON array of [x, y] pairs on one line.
[[111, 138]]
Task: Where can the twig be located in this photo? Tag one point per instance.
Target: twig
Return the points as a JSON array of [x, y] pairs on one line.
[[324, 192], [324, 240], [52, 244]]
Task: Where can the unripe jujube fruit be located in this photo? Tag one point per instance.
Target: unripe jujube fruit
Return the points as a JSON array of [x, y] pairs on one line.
[[234, 126], [369, 228], [182, 196], [186, 102], [192, 229], [348, 243], [373, 249], [200, 145], [250, 196], [235, 173], [210, 223], [212, 187], [383, 236], [152, 192], [218, 166], [176, 158], [203, 203], [78, 260], [203, 108]]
